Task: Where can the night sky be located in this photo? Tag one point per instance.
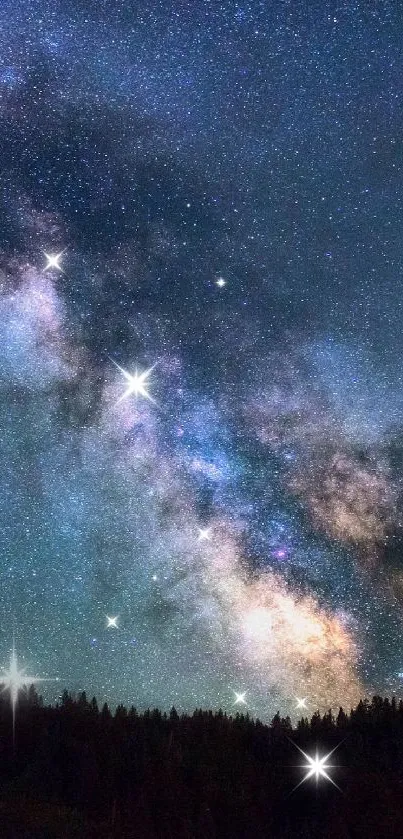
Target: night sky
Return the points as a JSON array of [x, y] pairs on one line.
[[201, 412]]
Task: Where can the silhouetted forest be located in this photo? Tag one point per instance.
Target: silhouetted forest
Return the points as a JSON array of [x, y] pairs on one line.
[[77, 771]]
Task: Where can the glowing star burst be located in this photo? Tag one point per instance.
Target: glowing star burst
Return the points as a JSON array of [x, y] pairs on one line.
[[112, 622], [53, 261], [15, 680], [137, 383], [204, 534], [220, 282], [240, 698], [317, 767], [301, 704]]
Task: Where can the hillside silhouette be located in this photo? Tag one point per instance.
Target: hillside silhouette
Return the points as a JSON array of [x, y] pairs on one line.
[[79, 771]]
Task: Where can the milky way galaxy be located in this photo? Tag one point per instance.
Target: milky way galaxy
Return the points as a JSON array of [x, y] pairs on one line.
[[200, 339]]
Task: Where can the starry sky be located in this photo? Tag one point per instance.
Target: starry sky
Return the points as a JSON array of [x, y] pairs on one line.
[[201, 412]]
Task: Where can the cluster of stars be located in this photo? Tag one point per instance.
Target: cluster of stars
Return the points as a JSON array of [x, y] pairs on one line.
[[261, 614]]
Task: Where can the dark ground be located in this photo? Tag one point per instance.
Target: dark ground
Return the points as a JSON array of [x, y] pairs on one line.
[[76, 771]]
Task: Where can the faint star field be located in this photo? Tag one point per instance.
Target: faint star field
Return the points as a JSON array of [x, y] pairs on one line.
[[200, 342]]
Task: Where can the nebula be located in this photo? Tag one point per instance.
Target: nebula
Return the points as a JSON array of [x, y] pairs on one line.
[[200, 340]]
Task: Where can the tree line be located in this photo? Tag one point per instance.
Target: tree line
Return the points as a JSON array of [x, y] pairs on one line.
[[77, 770]]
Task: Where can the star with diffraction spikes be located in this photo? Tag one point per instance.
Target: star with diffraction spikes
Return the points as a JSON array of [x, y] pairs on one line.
[[15, 680], [317, 767], [204, 534], [301, 704], [137, 383], [53, 261], [240, 698], [112, 622]]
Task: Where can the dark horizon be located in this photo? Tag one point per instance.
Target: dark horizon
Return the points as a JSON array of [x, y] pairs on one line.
[[78, 770]]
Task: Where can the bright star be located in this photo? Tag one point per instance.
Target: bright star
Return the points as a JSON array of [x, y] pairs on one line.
[[137, 383], [220, 282], [240, 698], [204, 534], [112, 622], [15, 680], [317, 767], [301, 703], [53, 261]]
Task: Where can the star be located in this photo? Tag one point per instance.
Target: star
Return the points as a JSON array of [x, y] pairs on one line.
[[220, 282], [317, 766], [112, 622], [15, 680], [53, 261], [240, 698], [204, 534], [301, 703], [137, 383]]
